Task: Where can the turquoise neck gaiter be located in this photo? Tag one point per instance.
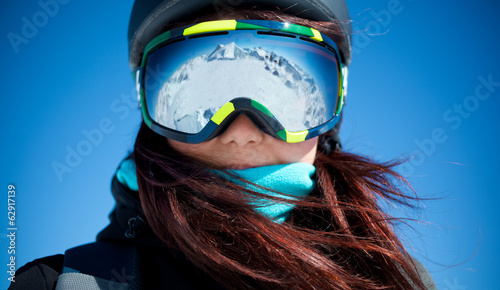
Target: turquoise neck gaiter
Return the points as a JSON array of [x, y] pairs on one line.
[[293, 179], [126, 174]]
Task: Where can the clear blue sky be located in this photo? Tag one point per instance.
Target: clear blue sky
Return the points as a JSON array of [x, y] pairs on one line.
[[424, 82]]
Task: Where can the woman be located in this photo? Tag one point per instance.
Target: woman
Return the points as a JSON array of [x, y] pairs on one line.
[[237, 179]]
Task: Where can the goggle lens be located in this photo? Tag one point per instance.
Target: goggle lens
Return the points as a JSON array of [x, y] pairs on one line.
[[187, 81]]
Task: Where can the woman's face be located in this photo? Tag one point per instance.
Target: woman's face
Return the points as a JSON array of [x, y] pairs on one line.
[[243, 146]]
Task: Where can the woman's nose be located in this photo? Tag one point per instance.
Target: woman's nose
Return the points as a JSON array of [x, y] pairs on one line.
[[242, 131]]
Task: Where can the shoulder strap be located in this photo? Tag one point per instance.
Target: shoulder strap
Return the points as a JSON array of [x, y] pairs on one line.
[[100, 265]]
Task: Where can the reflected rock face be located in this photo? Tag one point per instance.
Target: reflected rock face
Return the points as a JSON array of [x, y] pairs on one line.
[[198, 88]]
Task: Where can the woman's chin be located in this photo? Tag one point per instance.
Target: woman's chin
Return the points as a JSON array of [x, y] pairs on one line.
[[241, 166]]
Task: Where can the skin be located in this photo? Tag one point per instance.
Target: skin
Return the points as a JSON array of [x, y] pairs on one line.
[[244, 146]]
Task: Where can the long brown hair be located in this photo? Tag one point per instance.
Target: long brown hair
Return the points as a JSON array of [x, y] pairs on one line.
[[337, 238]]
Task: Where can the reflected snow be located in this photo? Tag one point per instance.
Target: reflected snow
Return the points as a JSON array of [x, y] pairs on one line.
[[218, 78]]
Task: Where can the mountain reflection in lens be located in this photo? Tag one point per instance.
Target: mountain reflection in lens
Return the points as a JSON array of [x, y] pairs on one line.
[[204, 82]]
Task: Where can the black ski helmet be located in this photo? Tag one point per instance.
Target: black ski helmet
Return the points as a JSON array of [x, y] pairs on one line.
[[149, 16]]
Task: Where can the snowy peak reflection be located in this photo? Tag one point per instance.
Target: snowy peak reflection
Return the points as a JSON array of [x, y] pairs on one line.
[[229, 52], [199, 87], [273, 62]]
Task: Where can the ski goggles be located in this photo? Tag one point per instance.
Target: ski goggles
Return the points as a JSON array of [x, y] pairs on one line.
[[195, 80]]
